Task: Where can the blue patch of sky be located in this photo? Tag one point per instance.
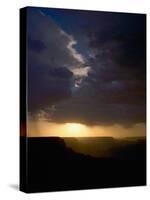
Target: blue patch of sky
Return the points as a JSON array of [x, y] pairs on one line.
[[73, 24]]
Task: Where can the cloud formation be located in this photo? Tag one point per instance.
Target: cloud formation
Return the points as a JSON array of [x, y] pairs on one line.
[[53, 62], [105, 87]]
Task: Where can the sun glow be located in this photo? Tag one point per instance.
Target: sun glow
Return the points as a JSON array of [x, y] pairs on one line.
[[75, 129], [42, 128]]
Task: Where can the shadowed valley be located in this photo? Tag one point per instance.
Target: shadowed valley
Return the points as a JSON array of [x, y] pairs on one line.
[[82, 163]]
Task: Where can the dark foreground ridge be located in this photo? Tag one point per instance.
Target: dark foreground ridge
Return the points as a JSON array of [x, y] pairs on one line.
[[54, 164]]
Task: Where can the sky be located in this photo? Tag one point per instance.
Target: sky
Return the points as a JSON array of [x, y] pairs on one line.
[[86, 73]]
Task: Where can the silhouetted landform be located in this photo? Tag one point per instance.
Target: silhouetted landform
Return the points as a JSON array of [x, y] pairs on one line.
[[105, 146], [57, 164]]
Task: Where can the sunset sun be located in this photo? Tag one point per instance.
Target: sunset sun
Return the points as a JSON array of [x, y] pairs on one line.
[[75, 129]]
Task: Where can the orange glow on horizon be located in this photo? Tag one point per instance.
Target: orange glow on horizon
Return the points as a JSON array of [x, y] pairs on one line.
[[75, 130], [41, 128]]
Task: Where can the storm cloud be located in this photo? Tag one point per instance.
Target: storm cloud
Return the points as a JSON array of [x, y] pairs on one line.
[[107, 49], [52, 62]]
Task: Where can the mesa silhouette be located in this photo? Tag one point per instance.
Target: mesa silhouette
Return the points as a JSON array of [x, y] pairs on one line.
[[56, 163]]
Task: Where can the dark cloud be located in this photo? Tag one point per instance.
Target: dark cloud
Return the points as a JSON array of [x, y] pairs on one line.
[[103, 107], [47, 86], [113, 90], [51, 59], [60, 72], [35, 45]]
